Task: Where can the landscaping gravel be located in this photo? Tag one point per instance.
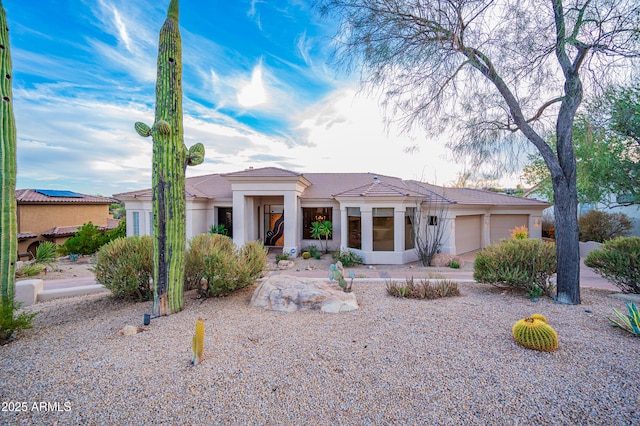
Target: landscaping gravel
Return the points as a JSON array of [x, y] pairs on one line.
[[393, 361]]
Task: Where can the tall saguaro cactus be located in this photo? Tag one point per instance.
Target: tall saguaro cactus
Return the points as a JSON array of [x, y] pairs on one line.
[[170, 158], [8, 219]]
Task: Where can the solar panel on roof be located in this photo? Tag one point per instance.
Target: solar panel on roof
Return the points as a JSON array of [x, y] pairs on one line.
[[58, 193]]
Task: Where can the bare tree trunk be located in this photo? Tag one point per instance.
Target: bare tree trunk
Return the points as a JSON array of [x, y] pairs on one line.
[[567, 246]]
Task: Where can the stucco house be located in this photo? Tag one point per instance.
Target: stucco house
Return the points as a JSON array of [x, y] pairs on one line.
[[373, 215], [54, 215]]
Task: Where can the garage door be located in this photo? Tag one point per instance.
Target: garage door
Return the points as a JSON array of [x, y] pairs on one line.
[[502, 224], [468, 233]]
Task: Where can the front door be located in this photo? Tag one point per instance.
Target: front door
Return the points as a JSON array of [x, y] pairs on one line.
[[274, 225]]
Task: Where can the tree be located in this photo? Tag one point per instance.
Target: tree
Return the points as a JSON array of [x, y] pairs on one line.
[[607, 168], [170, 159], [492, 73], [429, 235], [322, 229]]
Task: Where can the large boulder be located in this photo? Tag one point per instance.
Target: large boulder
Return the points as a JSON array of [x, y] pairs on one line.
[[290, 294]]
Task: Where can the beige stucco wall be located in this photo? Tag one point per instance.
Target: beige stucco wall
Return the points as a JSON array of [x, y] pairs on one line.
[[39, 218]]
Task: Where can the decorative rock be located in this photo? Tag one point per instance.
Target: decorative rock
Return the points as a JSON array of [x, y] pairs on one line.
[[290, 294], [130, 330], [285, 264], [444, 259]]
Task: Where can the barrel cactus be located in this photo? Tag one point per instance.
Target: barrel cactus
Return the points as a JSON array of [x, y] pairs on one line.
[[535, 333], [170, 158]]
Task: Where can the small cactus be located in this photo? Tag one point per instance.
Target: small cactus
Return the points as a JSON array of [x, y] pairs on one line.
[[336, 272], [535, 333], [198, 342]]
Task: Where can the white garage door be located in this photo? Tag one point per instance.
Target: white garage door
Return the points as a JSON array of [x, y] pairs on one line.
[[468, 233], [502, 224]]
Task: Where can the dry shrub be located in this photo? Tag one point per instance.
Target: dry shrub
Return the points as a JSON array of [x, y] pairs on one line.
[[424, 289]]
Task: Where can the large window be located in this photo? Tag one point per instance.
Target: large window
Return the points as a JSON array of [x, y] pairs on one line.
[[383, 229], [409, 231], [315, 214], [355, 228], [136, 223]]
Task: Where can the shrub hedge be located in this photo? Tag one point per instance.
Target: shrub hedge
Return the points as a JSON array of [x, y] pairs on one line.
[[618, 261]]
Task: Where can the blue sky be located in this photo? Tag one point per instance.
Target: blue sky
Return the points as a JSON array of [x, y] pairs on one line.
[[258, 91]]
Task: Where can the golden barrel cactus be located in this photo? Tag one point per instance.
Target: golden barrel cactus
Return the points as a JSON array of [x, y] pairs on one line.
[[535, 333]]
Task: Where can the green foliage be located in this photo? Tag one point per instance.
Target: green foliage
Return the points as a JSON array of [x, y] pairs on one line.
[[600, 226], [87, 240], [11, 323], [46, 253], [313, 251], [618, 261], [336, 272], [321, 230], [200, 247], [282, 256], [219, 229], [424, 289], [29, 270], [119, 231], [523, 264], [606, 161], [347, 257], [214, 262], [125, 266], [630, 322], [454, 265]]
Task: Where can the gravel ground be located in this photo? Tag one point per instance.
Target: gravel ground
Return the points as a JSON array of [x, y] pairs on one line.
[[393, 361]]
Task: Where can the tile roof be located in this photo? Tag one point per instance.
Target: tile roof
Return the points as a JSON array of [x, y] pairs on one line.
[[24, 196], [67, 231], [330, 185], [25, 235]]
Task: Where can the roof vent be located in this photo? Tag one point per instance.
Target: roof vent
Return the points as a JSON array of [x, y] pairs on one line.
[[375, 178]]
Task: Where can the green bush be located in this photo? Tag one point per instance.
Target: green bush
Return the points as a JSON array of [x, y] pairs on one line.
[[618, 261], [347, 257], [200, 247], [87, 240], [213, 260], [11, 323], [524, 264], [313, 251], [29, 270], [125, 266], [46, 253], [600, 226]]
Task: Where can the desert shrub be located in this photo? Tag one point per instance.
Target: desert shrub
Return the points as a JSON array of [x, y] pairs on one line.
[[313, 251], [119, 231], [46, 253], [524, 264], [282, 256], [125, 266], [347, 257], [600, 226], [424, 289], [519, 232], [213, 260], [618, 261], [87, 240], [29, 270], [454, 264], [200, 247], [11, 323]]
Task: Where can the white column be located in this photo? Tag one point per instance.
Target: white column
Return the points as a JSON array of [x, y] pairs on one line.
[[398, 229], [367, 228], [290, 224], [344, 228], [239, 222], [486, 230]]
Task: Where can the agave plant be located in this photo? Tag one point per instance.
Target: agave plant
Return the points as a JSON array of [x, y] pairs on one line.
[[630, 322]]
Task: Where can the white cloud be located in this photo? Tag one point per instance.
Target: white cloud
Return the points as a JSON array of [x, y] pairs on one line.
[[253, 93]]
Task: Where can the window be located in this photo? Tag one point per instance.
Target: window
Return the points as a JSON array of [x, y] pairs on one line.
[[151, 223], [315, 214], [433, 220], [225, 217], [355, 228], [383, 229], [409, 231], [136, 223]]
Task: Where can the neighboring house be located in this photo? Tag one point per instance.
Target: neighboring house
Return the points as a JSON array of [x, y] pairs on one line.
[[53, 215], [371, 214]]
